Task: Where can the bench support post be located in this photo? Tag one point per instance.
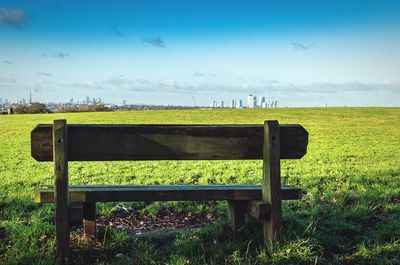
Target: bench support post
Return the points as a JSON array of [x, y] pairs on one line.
[[236, 214], [89, 218], [60, 157], [259, 210], [271, 192], [75, 214]]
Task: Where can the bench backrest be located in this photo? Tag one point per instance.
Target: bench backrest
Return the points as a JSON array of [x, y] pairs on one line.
[[167, 142]]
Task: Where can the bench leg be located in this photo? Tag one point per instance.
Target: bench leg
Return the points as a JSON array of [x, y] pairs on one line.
[[75, 214], [271, 192], [60, 157], [236, 214], [89, 218]]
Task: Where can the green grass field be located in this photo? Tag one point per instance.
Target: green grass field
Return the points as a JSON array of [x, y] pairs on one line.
[[349, 215]]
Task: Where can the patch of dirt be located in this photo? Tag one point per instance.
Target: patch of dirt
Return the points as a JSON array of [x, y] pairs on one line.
[[374, 218], [394, 199], [136, 222], [5, 241]]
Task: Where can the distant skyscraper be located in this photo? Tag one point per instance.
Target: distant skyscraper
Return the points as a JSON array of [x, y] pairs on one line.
[[251, 101], [71, 101], [262, 102], [274, 103], [87, 100], [124, 102], [222, 104], [232, 103], [213, 104], [238, 103], [30, 96]]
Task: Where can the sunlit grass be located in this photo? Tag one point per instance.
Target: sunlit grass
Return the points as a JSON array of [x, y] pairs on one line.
[[350, 213]]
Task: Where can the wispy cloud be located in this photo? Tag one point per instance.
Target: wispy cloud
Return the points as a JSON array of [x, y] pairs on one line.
[[156, 41], [117, 83], [198, 74], [117, 32], [7, 62], [335, 88], [7, 80], [270, 82], [60, 55], [307, 90], [12, 17], [301, 47], [44, 74]]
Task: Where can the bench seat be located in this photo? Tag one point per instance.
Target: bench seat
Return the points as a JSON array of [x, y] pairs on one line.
[[113, 193]]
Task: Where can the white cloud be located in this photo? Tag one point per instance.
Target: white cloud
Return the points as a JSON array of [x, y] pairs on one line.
[[168, 82], [327, 88]]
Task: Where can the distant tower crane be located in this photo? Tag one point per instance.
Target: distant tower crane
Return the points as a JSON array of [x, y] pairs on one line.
[[194, 102]]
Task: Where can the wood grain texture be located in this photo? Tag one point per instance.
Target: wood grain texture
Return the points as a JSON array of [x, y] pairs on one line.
[[236, 215], [259, 210], [167, 142], [89, 218], [61, 189], [111, 193], [271, 193]]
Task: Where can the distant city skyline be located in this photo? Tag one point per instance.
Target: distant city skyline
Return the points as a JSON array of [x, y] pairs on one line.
[[251, 102], [308, 53]]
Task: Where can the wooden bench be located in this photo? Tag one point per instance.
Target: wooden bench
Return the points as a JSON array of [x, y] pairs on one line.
[[270, 142]]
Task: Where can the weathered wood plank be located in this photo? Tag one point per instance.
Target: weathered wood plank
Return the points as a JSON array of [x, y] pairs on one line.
[[271, 193], [259, 210], [236, 215], [61, 189], [167, 142], [110, 193], [75, 214], [89, 218]]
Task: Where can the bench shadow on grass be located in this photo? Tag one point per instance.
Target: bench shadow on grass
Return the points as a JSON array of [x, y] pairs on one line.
[[340, 227]]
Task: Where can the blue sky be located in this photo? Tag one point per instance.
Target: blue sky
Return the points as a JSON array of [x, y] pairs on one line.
[[304, 53]]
